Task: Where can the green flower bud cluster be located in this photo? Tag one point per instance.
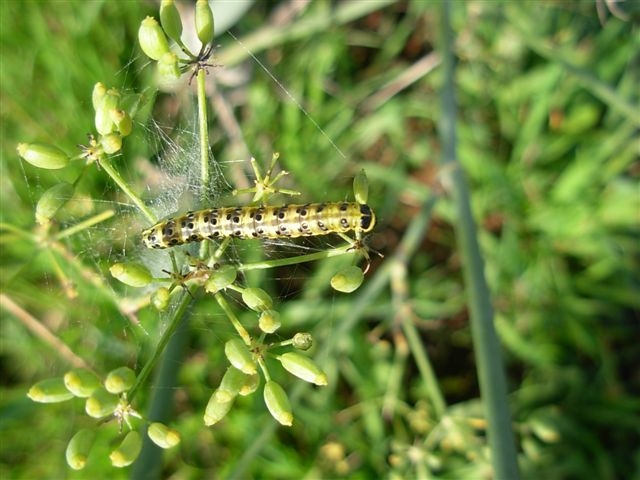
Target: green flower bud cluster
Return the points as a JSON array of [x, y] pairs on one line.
[[112, 120], [242, 377], [154, 38], [102, 399]]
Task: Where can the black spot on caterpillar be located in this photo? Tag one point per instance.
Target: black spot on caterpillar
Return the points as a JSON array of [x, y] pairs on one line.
[[287, 221]]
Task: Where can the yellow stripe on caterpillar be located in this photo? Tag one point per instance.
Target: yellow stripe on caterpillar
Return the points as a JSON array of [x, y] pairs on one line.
[[287, 221]]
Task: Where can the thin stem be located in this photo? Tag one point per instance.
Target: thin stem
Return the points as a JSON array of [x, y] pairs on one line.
[[178, 316], [40, 330], [491, 373], [347, 249], [85, 224], [16, 230], [246, 338], [105, 164], [399, 287], [204, 135]]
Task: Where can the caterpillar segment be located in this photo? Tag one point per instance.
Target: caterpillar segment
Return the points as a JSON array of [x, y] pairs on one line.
[[287, 221]]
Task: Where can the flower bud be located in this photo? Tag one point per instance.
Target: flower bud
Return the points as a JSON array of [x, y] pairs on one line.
[[79, 447], [217, 408], [545, 427], [122, 121], [361, 187], [221, 278], [43, 156], [302, 341], [256, 299], [239, 356], [51, 390], [303, 367], [169, 66], [127, 451], [53, 200], [98, 94], [111, 143], [204, 21], [101, 403], [160, 299], [152, 39], [251, 383], [103, 117], [163, 436], [269, 321], [170, 20], [278, 403], [132, 274], [232, 381], [119, 380], [348, 279], [81, 382]]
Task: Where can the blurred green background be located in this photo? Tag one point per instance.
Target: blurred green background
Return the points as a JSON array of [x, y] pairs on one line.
[[548, 136]]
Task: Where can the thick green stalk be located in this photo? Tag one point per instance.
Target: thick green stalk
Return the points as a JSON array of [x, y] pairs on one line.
[[487, 347]]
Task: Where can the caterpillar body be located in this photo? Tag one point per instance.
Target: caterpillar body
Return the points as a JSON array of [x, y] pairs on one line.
[[287, 221]]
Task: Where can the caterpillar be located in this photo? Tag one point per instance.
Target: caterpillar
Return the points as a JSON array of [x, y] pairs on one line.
[[288, 221]]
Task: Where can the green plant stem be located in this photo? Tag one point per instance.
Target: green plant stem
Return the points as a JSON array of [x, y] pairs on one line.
[[105, 164], [85, 224], [16, 230], [487, 347], [246, 338], [177, 317], [399, 285], [204, 135], [335, 252]]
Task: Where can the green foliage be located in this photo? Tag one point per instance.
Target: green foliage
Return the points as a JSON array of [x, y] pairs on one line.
[[547, 135]]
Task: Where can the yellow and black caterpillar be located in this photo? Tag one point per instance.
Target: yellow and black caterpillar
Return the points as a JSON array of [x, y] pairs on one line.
[[288, 221]]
